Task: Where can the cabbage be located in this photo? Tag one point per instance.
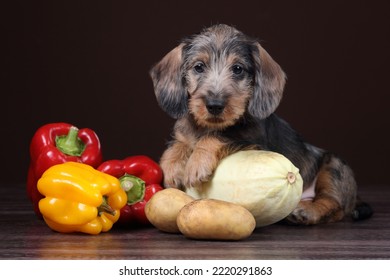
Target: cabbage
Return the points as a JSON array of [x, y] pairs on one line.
[[266, 183]]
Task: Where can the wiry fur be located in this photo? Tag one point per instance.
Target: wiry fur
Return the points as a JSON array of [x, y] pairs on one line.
[[223, 89]]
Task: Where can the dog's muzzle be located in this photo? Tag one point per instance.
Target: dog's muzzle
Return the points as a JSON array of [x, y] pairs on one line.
[[215, 106]]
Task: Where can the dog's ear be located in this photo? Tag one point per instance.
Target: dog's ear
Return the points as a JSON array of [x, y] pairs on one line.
[[168, 83], [269, 83]]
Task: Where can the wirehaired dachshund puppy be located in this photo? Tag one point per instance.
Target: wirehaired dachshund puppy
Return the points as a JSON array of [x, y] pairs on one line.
[[223, 89]]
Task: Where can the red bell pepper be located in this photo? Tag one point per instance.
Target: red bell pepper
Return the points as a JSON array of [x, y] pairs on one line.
[[141, 178], [57, 143]]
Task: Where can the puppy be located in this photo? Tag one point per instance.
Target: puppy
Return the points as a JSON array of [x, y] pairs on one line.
[[223, 87]]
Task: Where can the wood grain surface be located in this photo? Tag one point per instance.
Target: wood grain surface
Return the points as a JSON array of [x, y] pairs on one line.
[[24, 236]]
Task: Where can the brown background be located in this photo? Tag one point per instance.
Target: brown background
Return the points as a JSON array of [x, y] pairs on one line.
[[87, 63]]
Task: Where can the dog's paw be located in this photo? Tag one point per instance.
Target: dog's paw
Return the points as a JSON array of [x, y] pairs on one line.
[[173, 175], [318, 211], [304, 214], [172, 183], [195, 174]]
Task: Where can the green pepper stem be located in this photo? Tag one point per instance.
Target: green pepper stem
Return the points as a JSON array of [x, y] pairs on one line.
[[105, 208], [134, 188], [70, 144]]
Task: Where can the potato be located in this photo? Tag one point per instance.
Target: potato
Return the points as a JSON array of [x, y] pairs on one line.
[[215, 219], [162, 209]]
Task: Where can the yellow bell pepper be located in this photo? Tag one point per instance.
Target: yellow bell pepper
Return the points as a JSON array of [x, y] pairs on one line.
[[79, 198]]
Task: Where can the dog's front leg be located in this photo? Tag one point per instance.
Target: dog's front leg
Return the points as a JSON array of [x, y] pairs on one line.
[[205, 157], [173, 162]]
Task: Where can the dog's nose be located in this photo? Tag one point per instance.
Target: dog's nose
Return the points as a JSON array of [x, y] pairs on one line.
[[215, 107]]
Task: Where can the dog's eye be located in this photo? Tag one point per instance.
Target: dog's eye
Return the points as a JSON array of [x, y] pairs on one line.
[[237, 69], [199, 67]]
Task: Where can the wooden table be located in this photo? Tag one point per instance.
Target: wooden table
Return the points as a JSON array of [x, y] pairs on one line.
[[24, 236]]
